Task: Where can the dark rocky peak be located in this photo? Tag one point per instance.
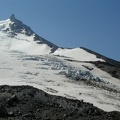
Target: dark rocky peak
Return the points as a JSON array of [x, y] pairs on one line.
[[14, 20], [18, 27], [12, 17]]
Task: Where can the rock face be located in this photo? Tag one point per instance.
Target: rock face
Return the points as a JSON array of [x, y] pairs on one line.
[[28, 103], [17, 26], [3, 112]]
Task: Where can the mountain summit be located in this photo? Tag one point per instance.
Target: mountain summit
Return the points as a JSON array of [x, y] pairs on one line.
[[15, 27], [12, 17]]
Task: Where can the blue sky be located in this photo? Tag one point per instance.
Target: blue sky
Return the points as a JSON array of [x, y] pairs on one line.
[[94, 24]]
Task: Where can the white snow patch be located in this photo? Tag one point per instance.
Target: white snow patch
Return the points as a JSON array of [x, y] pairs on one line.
[[5, 24], [77, 54]]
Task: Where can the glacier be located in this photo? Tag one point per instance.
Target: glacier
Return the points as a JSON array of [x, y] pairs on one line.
[[57, 71]]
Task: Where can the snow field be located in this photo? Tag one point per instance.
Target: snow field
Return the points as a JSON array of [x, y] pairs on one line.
[[23, 62]]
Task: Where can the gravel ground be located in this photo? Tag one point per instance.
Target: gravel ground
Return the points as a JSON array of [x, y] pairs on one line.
[[28, 103]]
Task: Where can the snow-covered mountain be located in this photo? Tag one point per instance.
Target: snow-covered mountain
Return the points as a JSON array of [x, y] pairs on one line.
[[16, 29], [79, 73]]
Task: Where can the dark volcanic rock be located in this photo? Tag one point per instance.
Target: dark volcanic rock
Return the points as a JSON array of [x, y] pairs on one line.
[[13, 99], [3, 112], [33, 104]]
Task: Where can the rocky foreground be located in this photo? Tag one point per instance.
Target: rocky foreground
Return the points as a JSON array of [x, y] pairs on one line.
[[28, 103]]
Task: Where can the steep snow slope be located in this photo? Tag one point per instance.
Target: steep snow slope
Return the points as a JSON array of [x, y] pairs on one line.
[[24, 62], [77, 54], [23, 43]]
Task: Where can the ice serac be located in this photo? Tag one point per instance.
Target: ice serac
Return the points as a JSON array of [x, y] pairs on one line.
[[16, 27]]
